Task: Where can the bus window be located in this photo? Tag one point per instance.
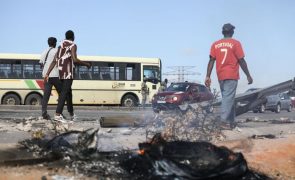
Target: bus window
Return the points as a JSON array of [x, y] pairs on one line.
[[84, 73], [5, 69], [117, 73], [28, 70], [133, 71], [16, 70], [152, 74], [105, 71], [96, 72], [127, 71], [120, 71], [37, 70]]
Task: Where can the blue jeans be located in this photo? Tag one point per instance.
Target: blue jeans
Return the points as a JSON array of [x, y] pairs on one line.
[[228, 91]]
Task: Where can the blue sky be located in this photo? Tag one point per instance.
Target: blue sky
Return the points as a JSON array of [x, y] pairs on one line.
[[178, 32]]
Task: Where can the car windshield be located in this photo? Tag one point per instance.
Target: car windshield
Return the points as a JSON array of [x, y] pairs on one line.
[[178, 87]]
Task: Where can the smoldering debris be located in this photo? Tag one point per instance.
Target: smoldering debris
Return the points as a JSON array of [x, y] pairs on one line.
[[187, 160], [72, 143], [193, 124], [157, 159]]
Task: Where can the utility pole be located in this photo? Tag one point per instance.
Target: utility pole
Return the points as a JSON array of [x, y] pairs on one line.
[[180, 72]]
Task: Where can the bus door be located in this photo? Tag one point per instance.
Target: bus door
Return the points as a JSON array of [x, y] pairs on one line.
[[152, 75]]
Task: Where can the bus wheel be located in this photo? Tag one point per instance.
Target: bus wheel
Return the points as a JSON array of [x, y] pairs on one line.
[[11, 99], [33, 99], [129, 101]]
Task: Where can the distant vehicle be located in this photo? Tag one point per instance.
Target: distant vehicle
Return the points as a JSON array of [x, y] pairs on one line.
[[181, 93], [275, 103], [284, 103], [109, 81]]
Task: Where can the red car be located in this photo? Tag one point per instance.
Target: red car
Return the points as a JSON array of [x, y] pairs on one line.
[[180, 93]]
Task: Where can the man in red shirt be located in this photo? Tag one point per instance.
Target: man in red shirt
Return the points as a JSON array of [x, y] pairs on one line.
[[228, 54]]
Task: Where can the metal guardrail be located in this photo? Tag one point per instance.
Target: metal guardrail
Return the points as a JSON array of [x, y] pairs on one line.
[[249, 100], [255, 98]]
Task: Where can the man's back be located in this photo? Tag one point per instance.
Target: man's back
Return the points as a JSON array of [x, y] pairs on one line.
[[227, 52], [46, 62], [65, 61]]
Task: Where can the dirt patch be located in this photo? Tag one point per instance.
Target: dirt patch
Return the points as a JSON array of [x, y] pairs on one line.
[[31, 172], [273, 157]]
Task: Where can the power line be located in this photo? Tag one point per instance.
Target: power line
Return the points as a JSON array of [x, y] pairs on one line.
[[181, 71]]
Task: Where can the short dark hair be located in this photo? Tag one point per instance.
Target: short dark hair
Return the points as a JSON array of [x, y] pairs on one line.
[[228, 29], [51, 41], [70, 35]]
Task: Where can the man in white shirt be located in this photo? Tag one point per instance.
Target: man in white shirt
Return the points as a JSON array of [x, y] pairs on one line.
[[46, 59]]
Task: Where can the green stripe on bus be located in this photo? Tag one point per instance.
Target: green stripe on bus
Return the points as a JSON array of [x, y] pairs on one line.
[[31, 84]]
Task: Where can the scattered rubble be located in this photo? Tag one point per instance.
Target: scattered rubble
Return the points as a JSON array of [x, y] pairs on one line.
[[105, 161], [126, 132], [269, 136]]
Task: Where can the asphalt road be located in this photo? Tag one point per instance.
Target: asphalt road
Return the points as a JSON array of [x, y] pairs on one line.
[[249, 123], [93, 113]]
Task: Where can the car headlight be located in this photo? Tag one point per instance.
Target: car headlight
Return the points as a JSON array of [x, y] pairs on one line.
[[174, 98]]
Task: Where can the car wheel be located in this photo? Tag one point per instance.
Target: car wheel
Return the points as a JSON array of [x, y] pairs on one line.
[[262, 108], [129, 101], [255, 111], [11, 99], [33, 99], [290, 108], [278, 108]]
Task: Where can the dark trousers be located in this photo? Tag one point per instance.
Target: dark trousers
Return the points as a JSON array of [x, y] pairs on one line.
[[52, 81], [65, 95]]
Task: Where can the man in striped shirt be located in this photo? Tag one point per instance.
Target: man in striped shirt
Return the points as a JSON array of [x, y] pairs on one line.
[[65, 58]]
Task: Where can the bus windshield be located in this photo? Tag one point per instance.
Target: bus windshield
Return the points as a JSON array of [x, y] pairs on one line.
[[152, 73]]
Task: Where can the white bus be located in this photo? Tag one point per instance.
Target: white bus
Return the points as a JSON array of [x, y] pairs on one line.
[[109, 81]]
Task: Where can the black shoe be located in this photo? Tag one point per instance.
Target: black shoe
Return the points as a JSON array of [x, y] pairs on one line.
[[233, 125], [46, 116]]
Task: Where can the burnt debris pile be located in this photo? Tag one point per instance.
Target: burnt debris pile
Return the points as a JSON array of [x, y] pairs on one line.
[[189, 123], [157, 159], [74, 144], [187, 160]]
